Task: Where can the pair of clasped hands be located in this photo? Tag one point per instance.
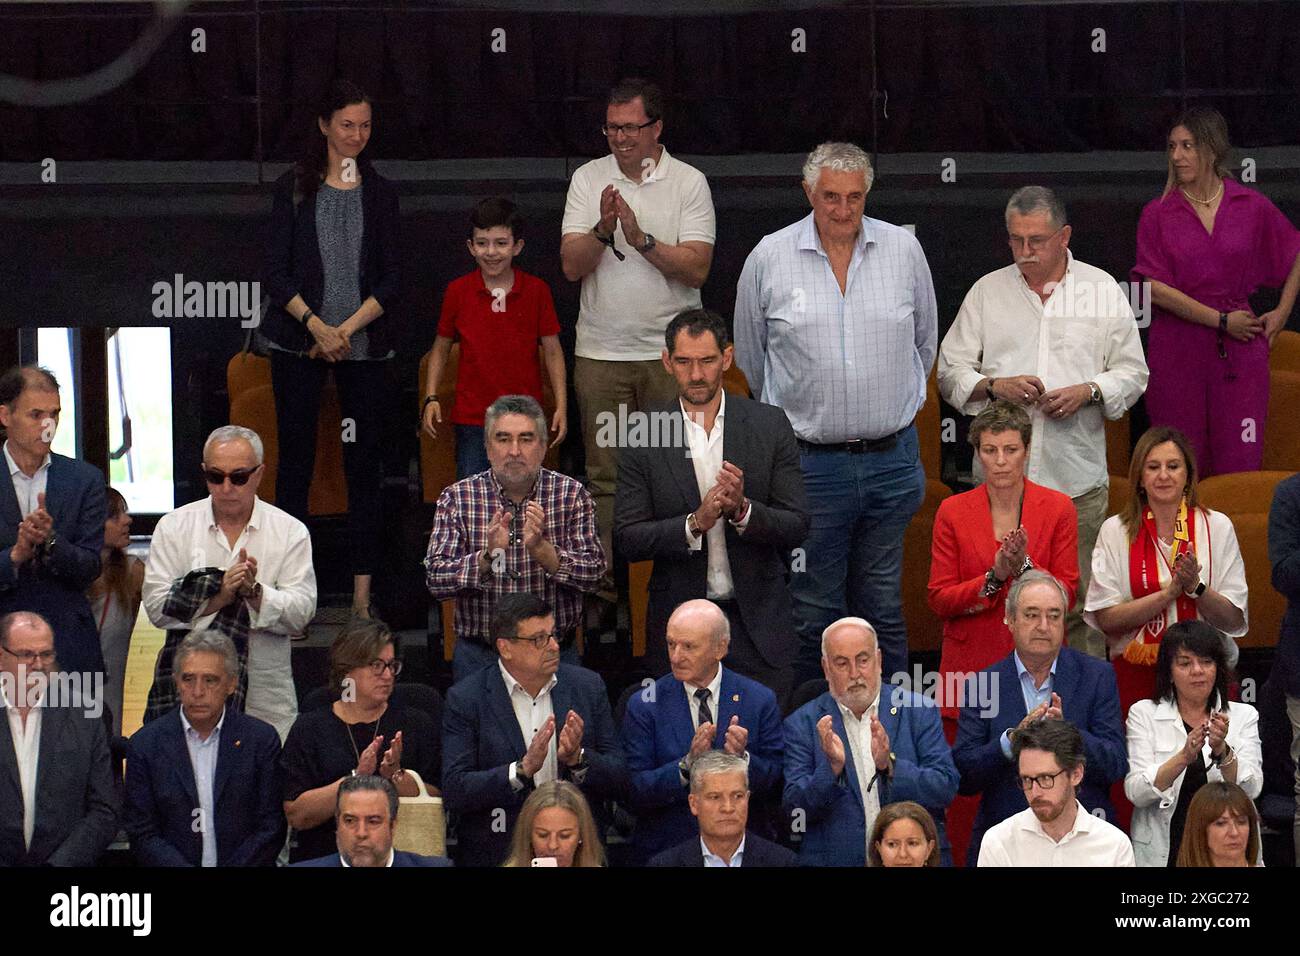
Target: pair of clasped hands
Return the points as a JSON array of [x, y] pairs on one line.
[[726, 497], [1030, 392], [391, 763], [833, 745], [1214, 729], [33, 532]]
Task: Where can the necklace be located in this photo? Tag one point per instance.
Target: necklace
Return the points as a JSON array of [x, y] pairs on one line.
[[1204, 202], [352, 740]]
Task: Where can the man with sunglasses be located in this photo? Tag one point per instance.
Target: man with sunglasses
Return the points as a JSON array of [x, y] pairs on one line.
[[638, 232], [1059, 337], [1056, 829], [233, 563]]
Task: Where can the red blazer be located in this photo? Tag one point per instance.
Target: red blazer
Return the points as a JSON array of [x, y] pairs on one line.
[[974, 633]]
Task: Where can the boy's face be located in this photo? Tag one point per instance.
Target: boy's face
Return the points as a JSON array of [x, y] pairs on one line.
[[494, 249]]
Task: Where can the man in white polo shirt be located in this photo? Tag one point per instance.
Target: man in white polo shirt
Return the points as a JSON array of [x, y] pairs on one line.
[[1056, 830], [638, 231]]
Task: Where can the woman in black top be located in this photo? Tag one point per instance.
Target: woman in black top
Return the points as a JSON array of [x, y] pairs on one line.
[[332, 271], [361, 731]]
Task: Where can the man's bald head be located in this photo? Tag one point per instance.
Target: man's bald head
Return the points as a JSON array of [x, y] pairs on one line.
[[698, 637]]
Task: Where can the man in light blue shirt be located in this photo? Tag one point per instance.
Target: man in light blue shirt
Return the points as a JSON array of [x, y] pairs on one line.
[[836, 323]]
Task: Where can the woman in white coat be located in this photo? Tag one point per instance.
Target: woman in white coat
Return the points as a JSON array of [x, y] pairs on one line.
[[1186, 735]]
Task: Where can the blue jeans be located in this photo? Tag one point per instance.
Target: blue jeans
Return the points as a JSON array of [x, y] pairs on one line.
[[860, 506], [470, 657], [471, 454]]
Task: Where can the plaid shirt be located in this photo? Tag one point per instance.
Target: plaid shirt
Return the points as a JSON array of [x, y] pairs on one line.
[[460, 528]]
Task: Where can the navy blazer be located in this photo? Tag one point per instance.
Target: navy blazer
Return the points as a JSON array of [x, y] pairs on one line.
[[657, 489], [54, 586], [830, 809], [400, 858], [1089, 700], [246, 792], [657, 733], [758, 852], [481, 738], [77, 801], [1284, 556]]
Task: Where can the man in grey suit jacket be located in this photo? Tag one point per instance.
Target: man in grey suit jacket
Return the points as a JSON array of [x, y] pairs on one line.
[[58, 802], [720, 510]]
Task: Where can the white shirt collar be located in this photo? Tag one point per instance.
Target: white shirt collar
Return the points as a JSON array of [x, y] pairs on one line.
[[660, 171], [722, 410], [1084, 822], [254, 518], [1069, 268], [512, 685], [848, 714], [4, 695], [188, 727], [714, 688], [13, 465], [710, 855]]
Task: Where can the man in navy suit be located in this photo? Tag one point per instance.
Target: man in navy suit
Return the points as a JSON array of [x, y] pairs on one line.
[[365, 815], [696, 708], [52, 512], [719, 799], [202, 782], [859, 747], [525, 721], [1039, 680]]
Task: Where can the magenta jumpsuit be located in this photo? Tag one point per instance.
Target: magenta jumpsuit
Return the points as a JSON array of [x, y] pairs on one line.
[[1219, 403]]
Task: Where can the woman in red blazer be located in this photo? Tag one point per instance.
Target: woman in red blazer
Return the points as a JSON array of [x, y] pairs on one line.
[[986, 537]]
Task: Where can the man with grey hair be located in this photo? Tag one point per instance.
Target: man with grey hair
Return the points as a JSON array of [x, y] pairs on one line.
[[233, 564], [857, 748], [836, 323], [1059, 337], [1039, 680], [719, 800], [698, 707], [516, 527], [203, 782], [365, 817]]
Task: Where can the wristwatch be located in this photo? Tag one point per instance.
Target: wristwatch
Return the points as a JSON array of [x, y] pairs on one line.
[[1197, 591], [1095, 398], [693, 525], [988, 389], [648, 245]]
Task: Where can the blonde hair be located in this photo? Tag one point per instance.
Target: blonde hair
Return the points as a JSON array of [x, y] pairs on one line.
[[566, 796], [1210, 131], [1131, 515]]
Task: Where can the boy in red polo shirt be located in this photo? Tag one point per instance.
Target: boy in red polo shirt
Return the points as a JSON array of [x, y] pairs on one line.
[[499, 314]]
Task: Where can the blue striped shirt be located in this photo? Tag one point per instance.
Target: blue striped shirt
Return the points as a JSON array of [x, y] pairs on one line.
[[842, 365]]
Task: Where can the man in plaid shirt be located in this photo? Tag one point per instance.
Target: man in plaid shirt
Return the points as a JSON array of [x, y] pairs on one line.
[[516, 527]]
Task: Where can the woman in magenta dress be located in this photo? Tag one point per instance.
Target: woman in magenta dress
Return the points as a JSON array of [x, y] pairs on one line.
[[1205, 246]]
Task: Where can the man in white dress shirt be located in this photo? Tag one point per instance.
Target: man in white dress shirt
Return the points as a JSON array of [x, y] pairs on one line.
[[267, 587], [1055, 830], [1057, 336]]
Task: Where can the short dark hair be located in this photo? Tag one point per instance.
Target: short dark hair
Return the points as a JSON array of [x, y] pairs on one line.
[[997, 417], [367, 781], [356, 645], [510, 609], [19, 378], [1060, 738], [1201, 639], [629, 88], [496, 211], [697, 322]]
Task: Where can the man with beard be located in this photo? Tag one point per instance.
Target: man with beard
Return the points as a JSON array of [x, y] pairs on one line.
[[366, 815], [1056, 829]]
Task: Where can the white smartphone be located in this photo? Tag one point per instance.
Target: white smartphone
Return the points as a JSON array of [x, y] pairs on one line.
[[545, 861]]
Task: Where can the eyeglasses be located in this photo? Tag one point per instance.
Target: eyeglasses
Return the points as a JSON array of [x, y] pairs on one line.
[[540, 641], [30, 657], [627, 129], [377, 667], [1045, 781], [239, 477], [1035, 243]]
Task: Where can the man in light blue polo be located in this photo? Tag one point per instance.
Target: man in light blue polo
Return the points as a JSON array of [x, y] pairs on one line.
[[836, 323]]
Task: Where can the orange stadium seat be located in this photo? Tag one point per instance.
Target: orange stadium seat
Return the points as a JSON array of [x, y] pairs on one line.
[[1282, 431], [924, 629]]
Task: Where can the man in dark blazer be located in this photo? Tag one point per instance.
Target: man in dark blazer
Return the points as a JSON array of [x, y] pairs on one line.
[[1284, 556], [1039, 680], [365, 815], [698, 707], [859, 747], [525, 721], [719, 799], [229, 814], [52, 512], [58, 801], [720, 510]]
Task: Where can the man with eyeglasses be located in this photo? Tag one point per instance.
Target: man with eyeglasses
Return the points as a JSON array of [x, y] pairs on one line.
[[1059, 337], [52, 511], [529, 720], [1040, 681], [58, 802], [232, 563], [638, 231], [1056, 829]]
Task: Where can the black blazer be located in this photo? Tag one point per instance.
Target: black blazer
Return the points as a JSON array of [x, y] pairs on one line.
[[76, 799], [758, 852], [656, 491], [293, 263]]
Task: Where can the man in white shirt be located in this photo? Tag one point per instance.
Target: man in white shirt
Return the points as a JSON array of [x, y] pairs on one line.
[[638, 232], [1056, 830], [1057, 336], [265, 594]]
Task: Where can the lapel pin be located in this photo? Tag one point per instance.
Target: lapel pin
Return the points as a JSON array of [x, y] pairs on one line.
[[893, 711], [238, 742], [735, 698]]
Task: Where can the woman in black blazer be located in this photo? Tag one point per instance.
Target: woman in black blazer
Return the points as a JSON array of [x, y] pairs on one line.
[[332, 253]]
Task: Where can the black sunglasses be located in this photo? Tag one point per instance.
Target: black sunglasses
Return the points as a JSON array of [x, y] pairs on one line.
[[238, 478]]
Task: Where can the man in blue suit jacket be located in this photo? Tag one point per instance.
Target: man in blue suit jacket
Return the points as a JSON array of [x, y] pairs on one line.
[[52, 512], [700, 706], [236, 792], [365, 815], [859, 747], [523, 721], [1039, 680]]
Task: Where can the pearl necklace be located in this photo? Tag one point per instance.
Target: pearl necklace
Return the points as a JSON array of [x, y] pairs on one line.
[[1203, 202]]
